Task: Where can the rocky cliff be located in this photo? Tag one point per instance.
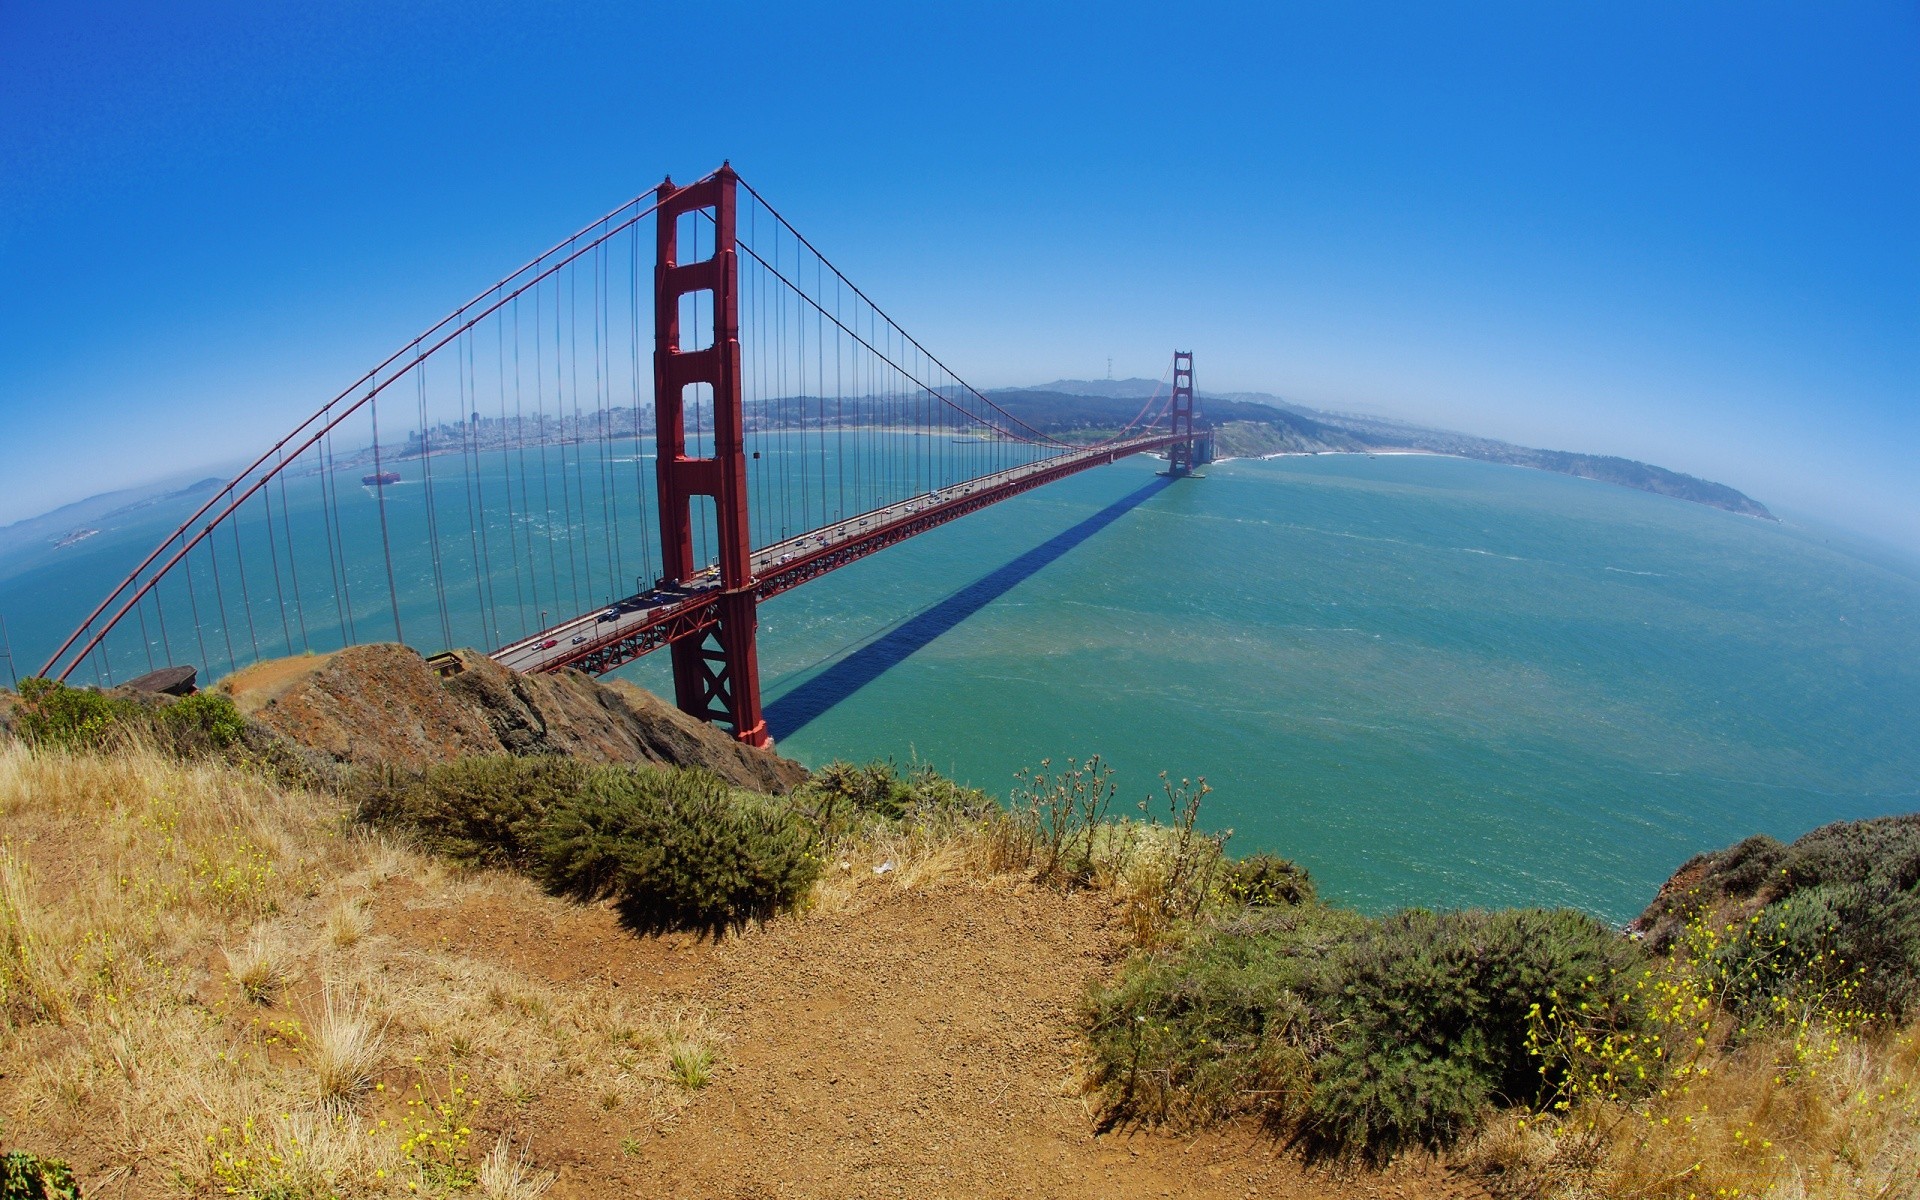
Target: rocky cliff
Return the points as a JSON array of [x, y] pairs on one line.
[[384, 704]]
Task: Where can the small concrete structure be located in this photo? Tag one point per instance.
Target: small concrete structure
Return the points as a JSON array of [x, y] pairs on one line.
[[167, 681]]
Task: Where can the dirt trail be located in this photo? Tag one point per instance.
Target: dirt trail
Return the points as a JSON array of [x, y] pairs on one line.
[[915, 1044]]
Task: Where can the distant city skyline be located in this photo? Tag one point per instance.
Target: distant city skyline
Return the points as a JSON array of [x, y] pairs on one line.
[[1680, 236]]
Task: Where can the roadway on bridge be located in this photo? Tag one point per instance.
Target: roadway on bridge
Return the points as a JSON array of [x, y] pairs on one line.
[[557, 645]]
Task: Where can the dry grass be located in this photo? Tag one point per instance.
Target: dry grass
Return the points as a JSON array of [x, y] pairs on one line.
[[263, 967], [1779, 1118], [195, 997], [344, 1051], [348, 922], [1155, 876], [507, 1175]]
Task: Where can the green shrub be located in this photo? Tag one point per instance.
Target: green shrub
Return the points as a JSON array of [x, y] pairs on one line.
[[1841, 922], [1266, 881], [1227, 1025], [202, 722], [26, 1176], [842, 799], [53, 714], [1432, 1019], [484, 811], [1365, 1035], [874, 789], [1850, 947], [1885, 850], [1743, 869], [676, 850]]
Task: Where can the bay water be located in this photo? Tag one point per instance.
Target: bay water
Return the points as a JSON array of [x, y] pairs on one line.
[[1432, 681]]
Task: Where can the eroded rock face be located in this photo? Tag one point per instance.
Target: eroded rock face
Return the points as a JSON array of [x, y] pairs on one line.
[[384, 704]]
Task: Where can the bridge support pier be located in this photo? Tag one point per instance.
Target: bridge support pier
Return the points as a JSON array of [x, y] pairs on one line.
[[716, 674]]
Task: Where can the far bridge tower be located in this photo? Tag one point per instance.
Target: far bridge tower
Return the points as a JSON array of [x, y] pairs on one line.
[[1182, 455]]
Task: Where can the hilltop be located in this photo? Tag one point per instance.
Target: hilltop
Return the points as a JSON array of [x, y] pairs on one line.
[[349, 927], [1254, 424]]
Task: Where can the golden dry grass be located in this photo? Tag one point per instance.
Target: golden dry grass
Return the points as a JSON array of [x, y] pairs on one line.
[[195, 999], [1811, 1113]]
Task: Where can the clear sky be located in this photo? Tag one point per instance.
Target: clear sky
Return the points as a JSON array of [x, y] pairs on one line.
[[1685, 233]]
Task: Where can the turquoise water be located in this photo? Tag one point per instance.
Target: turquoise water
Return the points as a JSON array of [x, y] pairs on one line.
[[1433, 681]]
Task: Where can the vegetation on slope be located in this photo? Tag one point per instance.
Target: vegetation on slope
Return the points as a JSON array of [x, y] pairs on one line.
[[1759, 1041], [191, 1003], [672, 848], [187, 982]]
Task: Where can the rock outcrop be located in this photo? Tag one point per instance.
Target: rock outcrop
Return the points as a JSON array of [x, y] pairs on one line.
[[385, 705]]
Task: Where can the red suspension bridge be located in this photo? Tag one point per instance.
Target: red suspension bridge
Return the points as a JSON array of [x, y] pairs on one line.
[[491, 475]]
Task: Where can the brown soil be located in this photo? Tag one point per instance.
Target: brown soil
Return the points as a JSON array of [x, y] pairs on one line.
[[914, 1043], [255, 687]]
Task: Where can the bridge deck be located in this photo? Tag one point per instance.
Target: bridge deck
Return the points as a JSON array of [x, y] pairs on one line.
[[601, 640]]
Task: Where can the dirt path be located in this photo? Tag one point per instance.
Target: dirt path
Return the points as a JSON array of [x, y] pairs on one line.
[[918, 1044]]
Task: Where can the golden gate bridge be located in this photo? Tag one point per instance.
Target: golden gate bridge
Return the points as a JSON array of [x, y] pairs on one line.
[[488, 476]]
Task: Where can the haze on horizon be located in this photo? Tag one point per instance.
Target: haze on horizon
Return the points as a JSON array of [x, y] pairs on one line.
[[1687, 237]]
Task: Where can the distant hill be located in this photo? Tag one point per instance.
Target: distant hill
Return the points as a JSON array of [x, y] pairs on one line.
[[50, 527], [1252, 424], [1116, 389]]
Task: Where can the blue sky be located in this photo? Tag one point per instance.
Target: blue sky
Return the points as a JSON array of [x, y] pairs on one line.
[[1684, 233]]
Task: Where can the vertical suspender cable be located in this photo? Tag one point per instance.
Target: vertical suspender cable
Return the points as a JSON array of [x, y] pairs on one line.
[[433, 516], [280, 593], [639, 444], [572, 355], [602, 385], [336, 552], [462, 367], [520, 451], [220, 602], [293, 552], [380, 502]]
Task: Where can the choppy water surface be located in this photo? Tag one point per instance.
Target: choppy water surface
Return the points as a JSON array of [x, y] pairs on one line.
[[1433, 681]]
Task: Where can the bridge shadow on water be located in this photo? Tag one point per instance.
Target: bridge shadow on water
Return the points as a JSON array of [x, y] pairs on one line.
[[817, 696]]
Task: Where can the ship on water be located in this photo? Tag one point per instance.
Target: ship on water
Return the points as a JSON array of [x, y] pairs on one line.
[[381, 479]]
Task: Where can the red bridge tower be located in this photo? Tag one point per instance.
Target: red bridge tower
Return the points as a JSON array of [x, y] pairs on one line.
[[1180, 455], [716, 674]]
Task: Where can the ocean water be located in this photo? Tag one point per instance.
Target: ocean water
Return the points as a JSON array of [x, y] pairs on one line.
[[1432, 681]]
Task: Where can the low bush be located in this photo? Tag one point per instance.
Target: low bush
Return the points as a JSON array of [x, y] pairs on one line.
[[842, 800], [1432, 1016], [1365, 1035], [1854, 945], [202, 722], [1265, 881], [25, 1176], [483, 811], [1883, 851], [876, 789], [1225, 1026], [676, 849], [52, 714]]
